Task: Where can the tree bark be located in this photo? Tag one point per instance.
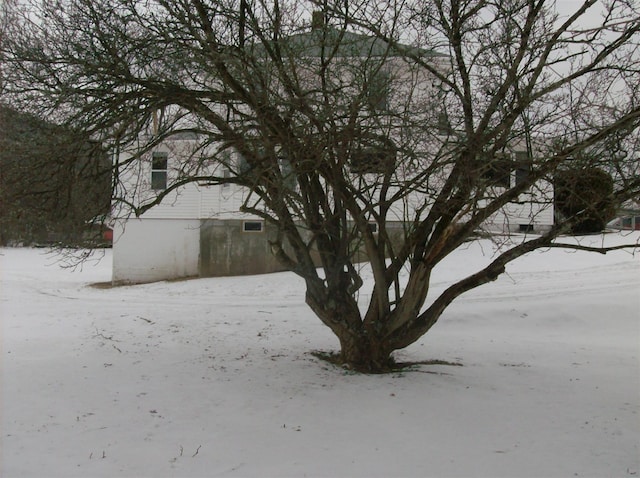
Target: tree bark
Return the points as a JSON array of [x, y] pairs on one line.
[[364, 354], [361, 349]]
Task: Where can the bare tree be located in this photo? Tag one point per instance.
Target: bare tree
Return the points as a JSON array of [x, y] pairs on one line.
[[383, 128], [53, 183]]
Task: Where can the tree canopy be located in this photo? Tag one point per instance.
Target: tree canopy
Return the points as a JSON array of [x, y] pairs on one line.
[[404, 115]]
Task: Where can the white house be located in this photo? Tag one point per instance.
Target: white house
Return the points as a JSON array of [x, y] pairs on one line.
[[197, 230]]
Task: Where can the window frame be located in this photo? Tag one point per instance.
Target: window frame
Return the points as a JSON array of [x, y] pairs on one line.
[[497, 172], [159, 170], [522, 167], [378, 155], [252, 222], [378, 90], [226, 174]]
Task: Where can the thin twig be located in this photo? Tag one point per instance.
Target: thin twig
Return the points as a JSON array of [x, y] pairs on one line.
[[196, 451]]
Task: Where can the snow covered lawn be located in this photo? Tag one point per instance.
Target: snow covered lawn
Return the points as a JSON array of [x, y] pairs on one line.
[[214, 377]]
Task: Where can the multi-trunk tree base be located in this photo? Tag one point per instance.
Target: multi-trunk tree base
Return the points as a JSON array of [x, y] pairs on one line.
[[335, 358], [361, 365]]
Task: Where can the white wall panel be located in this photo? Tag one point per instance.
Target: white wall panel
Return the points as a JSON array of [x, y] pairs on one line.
[[147, 250]]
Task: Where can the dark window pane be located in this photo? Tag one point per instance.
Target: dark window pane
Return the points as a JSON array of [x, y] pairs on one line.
[[252, 226], [159, 171], [498, 173], [378, 91], [243, 164], [159, 161], [378, 157], [288, 174], [443, 125], [522, 174], [159, 179], [523, 168]]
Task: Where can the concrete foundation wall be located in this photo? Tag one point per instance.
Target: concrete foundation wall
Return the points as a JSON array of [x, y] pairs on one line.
[[147, 250], [226, 249]]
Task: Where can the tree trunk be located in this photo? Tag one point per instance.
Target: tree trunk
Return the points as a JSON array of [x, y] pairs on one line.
[[361, 349], [364, 354]]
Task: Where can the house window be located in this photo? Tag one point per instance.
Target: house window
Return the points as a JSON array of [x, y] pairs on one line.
[[522, 174], [225, 171], [373, 227], [378, 156], [159, 171], [378, 91], [523, 167], [226, 174], [243, 165], [288, 174], [498, 172], [526, 228], [252, 226], [443, 125]]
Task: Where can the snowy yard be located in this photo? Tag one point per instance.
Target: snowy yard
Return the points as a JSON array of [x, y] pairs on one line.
[[214, 377]]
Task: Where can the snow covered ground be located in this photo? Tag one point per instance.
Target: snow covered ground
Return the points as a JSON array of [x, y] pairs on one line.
[[213, 377]]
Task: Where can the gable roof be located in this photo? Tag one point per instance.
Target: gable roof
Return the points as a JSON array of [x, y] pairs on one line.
[[350, 44], [347, 44]]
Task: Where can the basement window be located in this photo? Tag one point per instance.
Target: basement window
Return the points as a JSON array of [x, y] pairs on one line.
[[526, 228], [159, 171], [252, 226]]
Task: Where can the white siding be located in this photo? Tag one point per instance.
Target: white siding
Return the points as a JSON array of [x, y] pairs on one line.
[[534, 208], [219, 201], [181, 204], [192, 201], [147, 250], [164, 243], [513, 216]]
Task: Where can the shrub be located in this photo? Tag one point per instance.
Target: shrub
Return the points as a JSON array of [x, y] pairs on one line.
[[586, 194]]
